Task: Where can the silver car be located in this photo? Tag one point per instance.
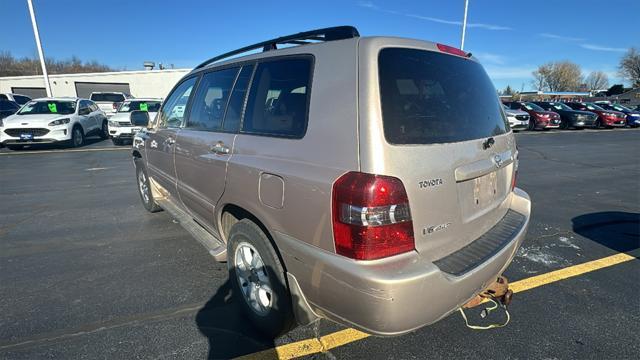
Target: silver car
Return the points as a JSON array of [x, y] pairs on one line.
[[365, 180], [518, 119]]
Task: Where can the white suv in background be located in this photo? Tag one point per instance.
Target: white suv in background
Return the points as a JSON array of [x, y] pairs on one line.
[[120, 128], [16, 98], [109, 101], [53, 120]]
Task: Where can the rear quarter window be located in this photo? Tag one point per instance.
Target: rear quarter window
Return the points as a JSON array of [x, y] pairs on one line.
[[106, 97], [430, 98], [279, 98]]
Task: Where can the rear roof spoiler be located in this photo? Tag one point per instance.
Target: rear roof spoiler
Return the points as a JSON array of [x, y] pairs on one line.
[[306, 37]]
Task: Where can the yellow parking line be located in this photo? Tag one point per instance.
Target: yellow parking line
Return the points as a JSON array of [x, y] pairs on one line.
[[61, 151], [343, 337]]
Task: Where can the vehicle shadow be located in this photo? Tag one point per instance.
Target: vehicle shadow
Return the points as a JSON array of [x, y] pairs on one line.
[[230, 333], [617, 230]]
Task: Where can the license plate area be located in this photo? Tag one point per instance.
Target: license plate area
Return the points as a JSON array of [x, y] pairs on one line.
[[26, 136], [479, 195], [485, 189]]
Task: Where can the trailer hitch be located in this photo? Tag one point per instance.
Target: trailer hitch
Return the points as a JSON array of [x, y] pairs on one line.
[[499, 295]]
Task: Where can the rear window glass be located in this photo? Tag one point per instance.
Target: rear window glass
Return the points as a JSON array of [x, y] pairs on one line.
[[107, 97], [430, 98]]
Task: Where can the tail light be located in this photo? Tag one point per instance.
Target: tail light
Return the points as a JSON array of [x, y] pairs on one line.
[[516, 164], [371, 216]]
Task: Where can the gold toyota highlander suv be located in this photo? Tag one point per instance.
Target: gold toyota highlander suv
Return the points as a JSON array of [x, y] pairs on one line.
[[365, 180]]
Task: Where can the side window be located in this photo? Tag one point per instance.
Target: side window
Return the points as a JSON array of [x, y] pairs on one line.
[[84, 108], [236, 103], [173, 110], [279, 98], [210, 101], [3, 97]]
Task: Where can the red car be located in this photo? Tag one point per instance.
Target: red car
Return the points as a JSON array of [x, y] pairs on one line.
[[539, 117], [606, 118]]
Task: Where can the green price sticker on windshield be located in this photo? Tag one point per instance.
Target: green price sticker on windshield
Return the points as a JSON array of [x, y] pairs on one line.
[[52, 107], [144, 107]]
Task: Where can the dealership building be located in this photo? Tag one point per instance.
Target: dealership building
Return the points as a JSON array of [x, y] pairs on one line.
[[142, 83]]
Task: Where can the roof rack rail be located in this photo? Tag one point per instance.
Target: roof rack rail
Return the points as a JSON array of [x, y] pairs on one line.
[[306, 37]]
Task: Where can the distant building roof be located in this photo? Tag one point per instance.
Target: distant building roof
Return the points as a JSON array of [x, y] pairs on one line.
[[556, 93]]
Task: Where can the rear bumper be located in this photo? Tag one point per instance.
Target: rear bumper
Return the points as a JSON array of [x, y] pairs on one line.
[[395, 295]]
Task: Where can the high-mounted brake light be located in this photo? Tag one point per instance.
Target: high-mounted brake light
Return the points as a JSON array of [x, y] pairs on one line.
[[451, 50], [371, 216]]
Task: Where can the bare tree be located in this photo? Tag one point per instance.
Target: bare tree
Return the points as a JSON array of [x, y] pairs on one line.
[[558, 76], [629, 67], [540, 76], [597, 80], [12, 66]]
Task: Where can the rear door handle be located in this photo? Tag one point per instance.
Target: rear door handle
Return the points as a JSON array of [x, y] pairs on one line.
[[219, 148]]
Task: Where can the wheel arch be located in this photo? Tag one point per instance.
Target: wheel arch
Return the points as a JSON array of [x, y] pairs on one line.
[[232, 213]]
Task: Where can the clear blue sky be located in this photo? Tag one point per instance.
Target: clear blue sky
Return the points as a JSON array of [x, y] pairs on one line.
[[510, 37]]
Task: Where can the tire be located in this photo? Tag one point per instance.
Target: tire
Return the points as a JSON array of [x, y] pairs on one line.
[[104, 133], [77, 136], [532, 125], [116, 141], [598, 124], [144, 189], [14, 147], [271, 310], [564, 125]]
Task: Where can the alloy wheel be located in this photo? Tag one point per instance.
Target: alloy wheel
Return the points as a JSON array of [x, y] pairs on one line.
[[253, 278]]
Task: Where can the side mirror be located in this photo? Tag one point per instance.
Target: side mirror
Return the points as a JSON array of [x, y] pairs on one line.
[[84, 111], [139, 118]]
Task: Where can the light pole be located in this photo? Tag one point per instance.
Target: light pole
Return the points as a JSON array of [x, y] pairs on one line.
[[39, 45], [464, 23]]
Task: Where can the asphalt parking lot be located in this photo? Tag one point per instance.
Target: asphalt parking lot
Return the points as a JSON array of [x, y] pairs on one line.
[[85, 272]]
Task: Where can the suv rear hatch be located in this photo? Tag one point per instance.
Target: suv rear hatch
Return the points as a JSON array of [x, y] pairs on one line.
[[107, 102], [441, 130]]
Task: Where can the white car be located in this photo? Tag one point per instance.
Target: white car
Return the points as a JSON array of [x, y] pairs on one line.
[[53, 120], [518, 119], [109, 101], [120, 128]]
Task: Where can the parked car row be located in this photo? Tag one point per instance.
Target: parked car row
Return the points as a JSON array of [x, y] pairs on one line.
[[69, 120], [545, 115]]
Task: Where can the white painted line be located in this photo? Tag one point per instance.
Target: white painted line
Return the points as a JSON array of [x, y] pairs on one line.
[[97, 169]]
